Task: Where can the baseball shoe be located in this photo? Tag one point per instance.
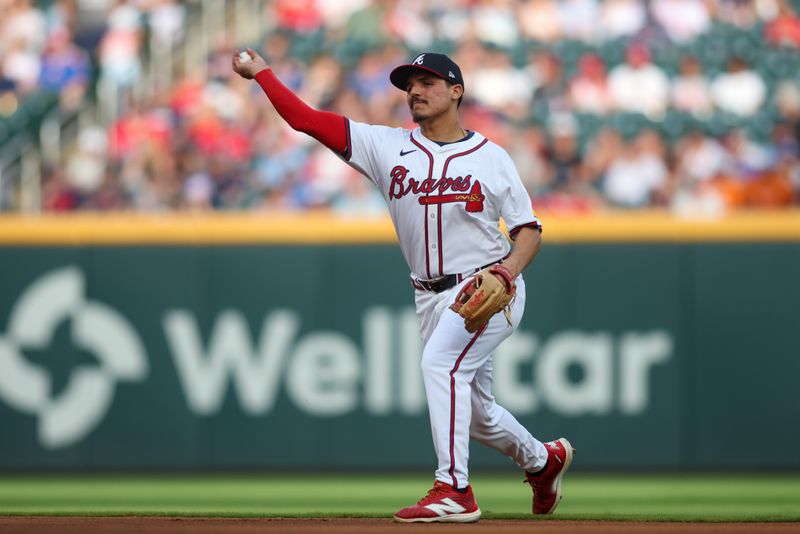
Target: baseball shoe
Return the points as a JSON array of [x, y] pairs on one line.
[[442, 504], [546, 484]]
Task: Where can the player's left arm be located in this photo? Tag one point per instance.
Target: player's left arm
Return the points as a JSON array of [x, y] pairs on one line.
[[524, 226], [525, 248]]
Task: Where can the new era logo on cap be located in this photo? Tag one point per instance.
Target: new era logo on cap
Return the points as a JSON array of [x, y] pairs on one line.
[[438, 64]]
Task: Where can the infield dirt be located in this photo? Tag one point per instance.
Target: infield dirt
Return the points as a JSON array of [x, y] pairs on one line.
[[158, 525]]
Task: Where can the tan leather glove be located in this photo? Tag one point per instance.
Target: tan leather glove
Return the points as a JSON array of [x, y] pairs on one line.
[[490, 291]]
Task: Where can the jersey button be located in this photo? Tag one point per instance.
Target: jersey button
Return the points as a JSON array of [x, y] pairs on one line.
[[433, 215], [433, 246]]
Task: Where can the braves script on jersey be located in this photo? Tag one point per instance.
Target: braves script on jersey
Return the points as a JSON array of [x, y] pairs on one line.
[[445, 201]]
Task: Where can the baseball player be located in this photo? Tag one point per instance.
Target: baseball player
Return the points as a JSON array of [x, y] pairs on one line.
[[446, 189]]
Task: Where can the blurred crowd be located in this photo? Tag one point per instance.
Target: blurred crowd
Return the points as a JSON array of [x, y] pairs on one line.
[[689, 105]]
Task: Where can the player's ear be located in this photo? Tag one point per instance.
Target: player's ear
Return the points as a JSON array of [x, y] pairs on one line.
[[458, 91]]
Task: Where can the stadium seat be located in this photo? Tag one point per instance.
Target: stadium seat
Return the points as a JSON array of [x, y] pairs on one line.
[[612, 52], [627, 124], [675, 124]]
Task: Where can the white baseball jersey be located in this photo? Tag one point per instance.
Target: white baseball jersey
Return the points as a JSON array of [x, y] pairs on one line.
[[445, 201]]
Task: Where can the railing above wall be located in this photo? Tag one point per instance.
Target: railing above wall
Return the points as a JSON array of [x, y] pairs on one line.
[[327, 228]]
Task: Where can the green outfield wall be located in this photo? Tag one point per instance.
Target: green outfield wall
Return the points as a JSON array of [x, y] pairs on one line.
[[666, 355]]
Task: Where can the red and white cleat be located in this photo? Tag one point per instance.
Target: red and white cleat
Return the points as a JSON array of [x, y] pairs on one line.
[[442, 504], [546, 484]]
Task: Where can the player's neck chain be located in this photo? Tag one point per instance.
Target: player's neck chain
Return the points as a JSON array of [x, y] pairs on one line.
[[464, 136]]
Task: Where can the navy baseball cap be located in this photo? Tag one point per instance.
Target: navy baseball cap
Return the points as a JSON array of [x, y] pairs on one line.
[[438, 64]]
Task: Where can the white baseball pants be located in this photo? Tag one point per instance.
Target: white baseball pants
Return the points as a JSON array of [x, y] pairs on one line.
[[457, 372]]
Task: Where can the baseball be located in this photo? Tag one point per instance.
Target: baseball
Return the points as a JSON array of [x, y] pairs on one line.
[[244, 57]]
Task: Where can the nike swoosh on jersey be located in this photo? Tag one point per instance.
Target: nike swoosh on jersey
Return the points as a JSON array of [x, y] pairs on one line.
[[409, 152]]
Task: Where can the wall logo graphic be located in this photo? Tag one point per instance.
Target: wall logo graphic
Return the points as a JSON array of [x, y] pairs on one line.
[[96, 328]]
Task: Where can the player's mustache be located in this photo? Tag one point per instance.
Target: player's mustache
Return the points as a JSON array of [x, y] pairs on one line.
[[418, 100]]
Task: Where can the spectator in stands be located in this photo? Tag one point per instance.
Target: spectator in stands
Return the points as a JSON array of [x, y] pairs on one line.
[[167, 19], [739, 90], [740, 13], [370, 82], [638, 175], [451, 21], [358, 198], [754, 175], [65, 69], [682, 20], [528, 149], [550, 95], [748, 159], [407, 21], [57, 196], [571, 187], [326, 183], [600, 151], [564, 153], [197, 193], [321, 82], [85, 167], [639, 85], [8, 99], [120, 48], [61, 15], [785, 142], [700, 164], [91, 25], [787, 100], [21, 66], [784, 29], [700, 158], [579, 19], [500, 128], [778, 185], [230, 178], [301, 16], [369, 77], [279, 160], [22, 25], [690, 91], [622, 18], [276, 50], [109, 196], [588, 89], [495, 22], [501, 87], [366, 28], [540, 20], [151, 183], [471, 55]]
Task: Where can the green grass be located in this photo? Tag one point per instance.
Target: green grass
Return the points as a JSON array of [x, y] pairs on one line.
[[586, 496]]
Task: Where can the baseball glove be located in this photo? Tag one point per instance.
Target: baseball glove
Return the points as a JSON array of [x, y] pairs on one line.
[[490, 291]]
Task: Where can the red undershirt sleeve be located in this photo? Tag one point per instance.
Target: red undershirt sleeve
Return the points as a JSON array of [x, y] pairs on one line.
[[328, 128]]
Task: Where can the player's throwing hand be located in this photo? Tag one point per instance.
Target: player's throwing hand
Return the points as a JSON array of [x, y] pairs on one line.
[[248, 69]]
